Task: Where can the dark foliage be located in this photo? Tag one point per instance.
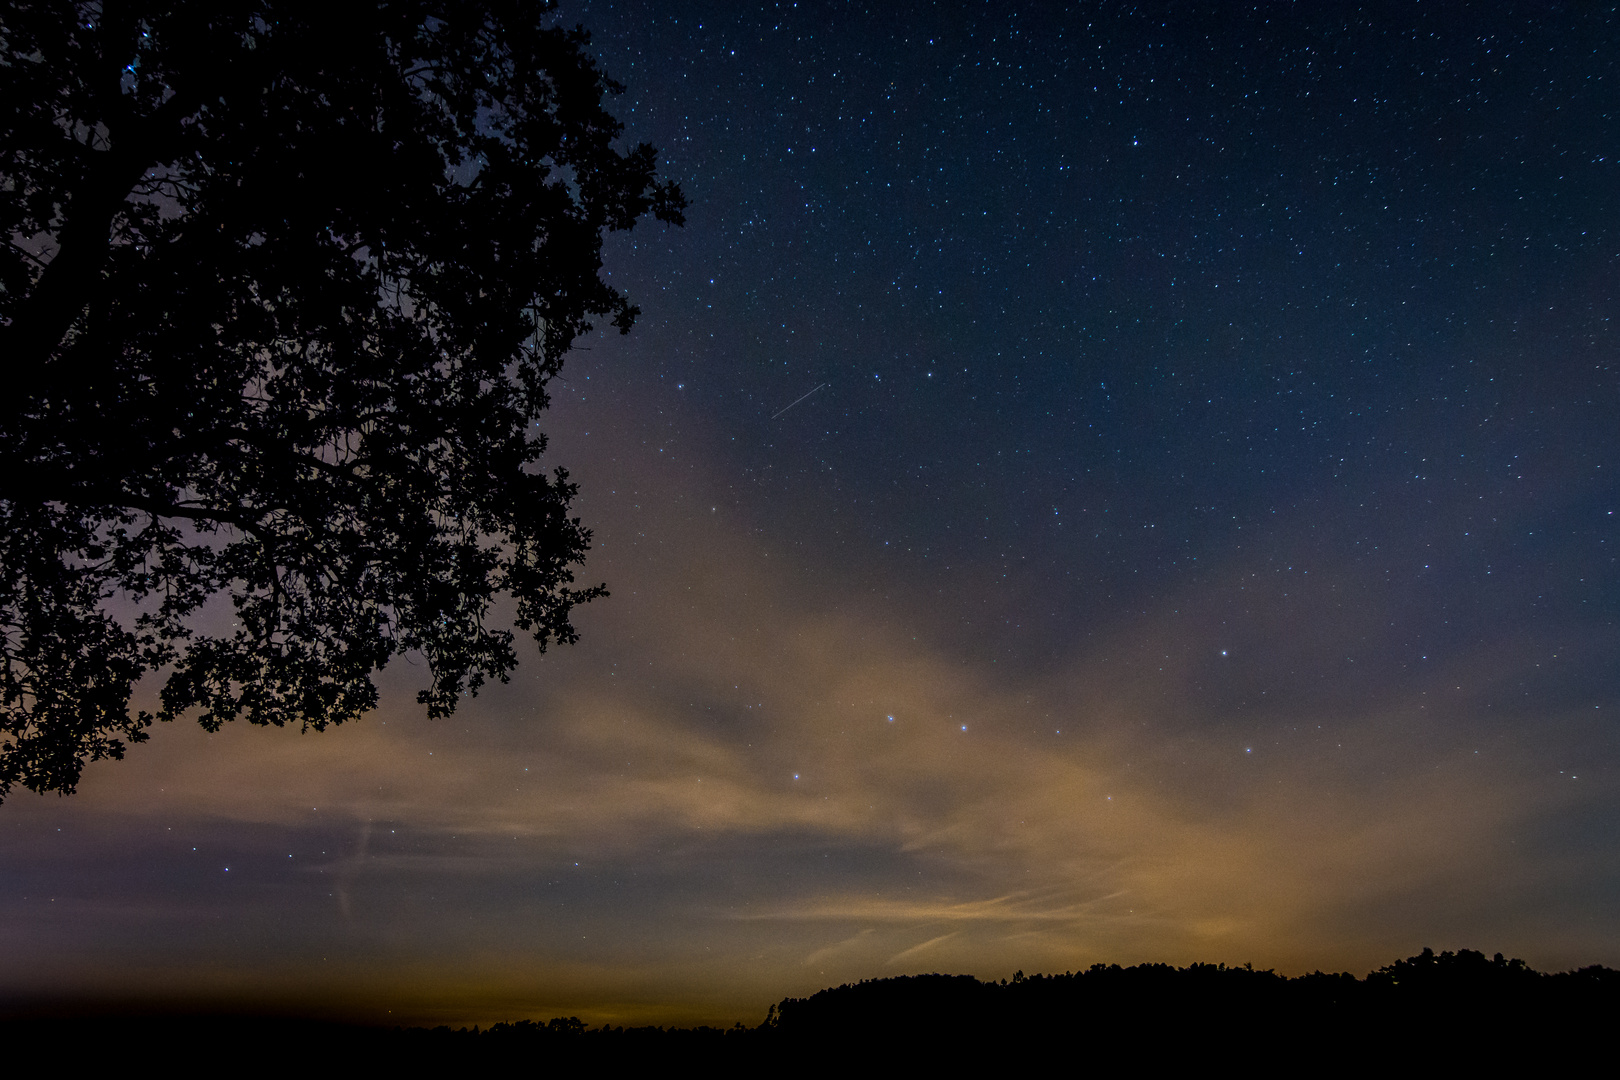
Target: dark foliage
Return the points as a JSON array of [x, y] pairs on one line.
[[282, 287], [1446, 1008]]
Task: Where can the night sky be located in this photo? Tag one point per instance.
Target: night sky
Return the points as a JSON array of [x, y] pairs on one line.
[[1198, 543]]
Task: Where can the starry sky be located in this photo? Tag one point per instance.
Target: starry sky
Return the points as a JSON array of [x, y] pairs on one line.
[[1090, 483]]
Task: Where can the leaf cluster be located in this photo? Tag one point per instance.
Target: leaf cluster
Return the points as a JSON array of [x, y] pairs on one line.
[[281, 290]]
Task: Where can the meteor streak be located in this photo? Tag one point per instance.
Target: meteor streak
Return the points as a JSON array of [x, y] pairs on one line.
[[796, 400]]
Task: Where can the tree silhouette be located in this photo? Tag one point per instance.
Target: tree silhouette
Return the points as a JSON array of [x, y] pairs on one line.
[[279, 300]]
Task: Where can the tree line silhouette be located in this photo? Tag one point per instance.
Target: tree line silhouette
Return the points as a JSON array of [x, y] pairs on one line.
[[1428, 1010]]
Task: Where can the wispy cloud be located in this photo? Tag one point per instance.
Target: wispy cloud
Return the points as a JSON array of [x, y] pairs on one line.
[[740, 784]]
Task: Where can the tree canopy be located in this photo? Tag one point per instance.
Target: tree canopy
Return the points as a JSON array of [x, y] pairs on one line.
[[281, 291]]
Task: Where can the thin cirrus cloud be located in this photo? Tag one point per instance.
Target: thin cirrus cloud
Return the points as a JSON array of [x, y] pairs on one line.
[[747, 781]]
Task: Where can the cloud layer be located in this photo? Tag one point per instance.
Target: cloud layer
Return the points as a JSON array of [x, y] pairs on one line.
[[755, 777]]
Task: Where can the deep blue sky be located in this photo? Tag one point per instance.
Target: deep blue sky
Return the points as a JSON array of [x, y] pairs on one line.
[[1103, 293]]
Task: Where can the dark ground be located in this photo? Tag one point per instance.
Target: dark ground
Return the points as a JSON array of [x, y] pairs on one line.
[[1429, 1011]]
